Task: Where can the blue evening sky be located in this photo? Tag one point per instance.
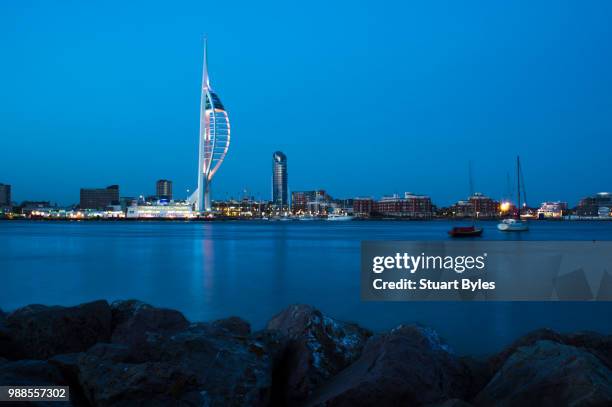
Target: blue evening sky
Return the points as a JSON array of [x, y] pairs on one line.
[[365, 98]]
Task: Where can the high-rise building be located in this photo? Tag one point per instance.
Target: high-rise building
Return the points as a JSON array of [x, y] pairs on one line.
[[214, 140], [163, 189], [279, 180], [99, 198], [5, 195]]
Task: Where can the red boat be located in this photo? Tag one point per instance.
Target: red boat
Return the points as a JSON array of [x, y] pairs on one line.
[[465, 231]]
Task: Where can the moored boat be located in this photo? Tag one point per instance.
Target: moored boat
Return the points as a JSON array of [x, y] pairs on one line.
[[465, 231], [515, 224], [339, 218], [512, 225]]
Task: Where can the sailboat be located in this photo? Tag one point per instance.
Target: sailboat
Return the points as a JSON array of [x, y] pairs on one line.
[[515, 224], [467, 231]]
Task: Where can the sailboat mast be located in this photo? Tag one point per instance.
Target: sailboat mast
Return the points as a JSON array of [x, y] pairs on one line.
[[518, 180], [471, 197]]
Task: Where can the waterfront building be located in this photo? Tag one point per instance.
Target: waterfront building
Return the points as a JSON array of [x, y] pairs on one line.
[[345, 204], [247, 207], [483, 206], [418, 206], [214, 140], [552, 210], [597, 205], [5, 195], [410, 206], [319, 207], [300, 200], [160, 211], [478, 205], [99, 198], [363, 207], [32, 207], [163, 189], [461, 209], [126, 201], [279, 180]]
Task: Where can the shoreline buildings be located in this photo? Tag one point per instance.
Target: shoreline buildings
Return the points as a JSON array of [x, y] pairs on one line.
[[552, 210], [279, 181], [598, 205], [411, 206], [213, 142], [99, 198], [478, 205], [304, 201]]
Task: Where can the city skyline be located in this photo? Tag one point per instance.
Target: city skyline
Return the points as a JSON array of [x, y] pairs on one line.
[[445, 94]]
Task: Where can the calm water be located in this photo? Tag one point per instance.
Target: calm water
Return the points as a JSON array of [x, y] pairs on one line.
[[254, 269]]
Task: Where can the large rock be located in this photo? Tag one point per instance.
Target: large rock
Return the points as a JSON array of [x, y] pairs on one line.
[[6, 344], [201, 365], [479, 374], [408, 366], [133, 319], [599, 345], [319, 348], [233, 325], [38, 331], [451, 403], [549, 373], [32, 373], [107, 377], [29, 372]]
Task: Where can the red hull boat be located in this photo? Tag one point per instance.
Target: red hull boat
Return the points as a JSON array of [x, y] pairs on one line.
[[465, 231]]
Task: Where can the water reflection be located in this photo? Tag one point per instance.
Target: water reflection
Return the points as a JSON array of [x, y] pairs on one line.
[[253, 269]]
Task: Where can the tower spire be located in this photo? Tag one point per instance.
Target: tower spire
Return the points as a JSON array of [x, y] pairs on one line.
[[205, 80], [214, 138]]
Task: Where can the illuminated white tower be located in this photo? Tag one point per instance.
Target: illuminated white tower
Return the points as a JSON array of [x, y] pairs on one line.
[[214, 140]]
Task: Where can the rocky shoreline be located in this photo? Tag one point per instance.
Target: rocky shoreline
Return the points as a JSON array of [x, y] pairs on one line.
[[132, 354]]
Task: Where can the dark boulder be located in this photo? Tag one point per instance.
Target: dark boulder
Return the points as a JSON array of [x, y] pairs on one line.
[[479, 375], [133, 319], [598, 344], [32, 373], [319, 347], [67, 365], [452, 403], [29, 372], [408, 366], [233, 325], [106, 379], [548, 373], [39, 332], [7, 347], [201, 365]]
